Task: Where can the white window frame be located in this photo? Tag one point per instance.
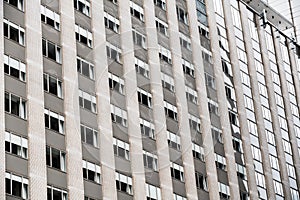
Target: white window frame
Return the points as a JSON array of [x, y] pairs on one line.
[[142, 67], [188, 68], [116, 111], [136, 34], [144, 94], [136, 8], [109, 48], [122, 145], [91, 70], [19, 141], [90, 98], [161, 26], [22, 105], [20, 3], [62, 156], [174, 140], [88, 166], [95, 135], [60, 118], [124, 179], [163, 52], [47, 13], [185, 41], [115, 81], [191, 94], [16, 65], [153, 192], [171, 108], [154, 160], [114, 21], [87, 7], [21, 32], [146, 124], [24, 181], [64, 194], [59, 85], [57, 51], [179, 168], [198, 151], [168, 82], [83, 32]]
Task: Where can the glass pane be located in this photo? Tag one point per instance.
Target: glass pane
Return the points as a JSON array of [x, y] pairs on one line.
[[55, 159]]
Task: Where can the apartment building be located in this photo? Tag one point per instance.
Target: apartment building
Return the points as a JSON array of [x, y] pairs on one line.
[[153, 99]]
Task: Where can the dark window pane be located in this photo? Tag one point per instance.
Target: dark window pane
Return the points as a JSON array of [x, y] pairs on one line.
[[89, 136], [55, 159], [7, 102], [16, 188], [57, 195], [7, 146], [82, 133], [51, 51], [85, 69], [49, 194], [7, 186], [15, 149], [54, 124], [14, 34], [6, 68], [52, 85], [91, 175], [15, 103], [5, 29], [48, 158], [46, 121], [14, 72], [50, 21], [83, 39], [14, 2], [87, 104], [84, 171], [44, 48]]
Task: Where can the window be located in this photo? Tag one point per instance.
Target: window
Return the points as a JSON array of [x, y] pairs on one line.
[[241, 171], [201, 12], [121, 148], [89, 135], [248, 102], [174, 140], [182, 15], [178, 197], [14, 68], [194, 123], [165, 54], [55, 158], [150, 160], [16, 145], [152, 192], [54, 121], [278, 188], [14, 32], [177, 172], [82, 6], [201, 181], [85, 68], [198, 152], [141, 67], [56, 194], [161, 26], [233, 118], [118, 115], [116, 83], [147, 128], [224, 191], [52, 51], [161, 4], [210, 81], [16, 185], [50, 17], [136, 11], [17, 3], [188, 68], [191, 95], [213, 107], [144, 97], [207, 55], [167, 82], [15, 105], [83, 35], [256, 153], [52, 85], [185, 41], [260, 180], [274, 162], [111, 22], [113, 52], [217, 134], [237, 144], [220, 162], [91, 171], [170, 110], [87, 101], [124, 183], [139, 39]]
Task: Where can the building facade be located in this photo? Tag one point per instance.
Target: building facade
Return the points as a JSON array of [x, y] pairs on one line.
[[162, 99]]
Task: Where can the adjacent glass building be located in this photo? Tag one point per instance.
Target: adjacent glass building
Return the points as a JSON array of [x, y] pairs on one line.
[[148, 100]]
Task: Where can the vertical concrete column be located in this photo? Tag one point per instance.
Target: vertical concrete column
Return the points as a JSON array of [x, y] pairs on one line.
[[135, 137], [2, 112], [203, 108], [71, 102], [107, 158], [35, 102], [257, 102], [297, 89], [268, 76], [184, 127], [158, 102], [222, 101], [287, 105]]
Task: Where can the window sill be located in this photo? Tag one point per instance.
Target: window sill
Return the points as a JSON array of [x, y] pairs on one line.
[[53, 168], [61, 98], [22, 11], [13, 196], [17, 156], [15, 42], [128, 160], [52, 28], [90, 181], [90, 145], [94, 113], [15, 78], [54, 131], [52, 60]]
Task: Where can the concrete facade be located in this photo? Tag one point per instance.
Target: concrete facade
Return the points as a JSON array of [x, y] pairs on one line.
[[162, 99]]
